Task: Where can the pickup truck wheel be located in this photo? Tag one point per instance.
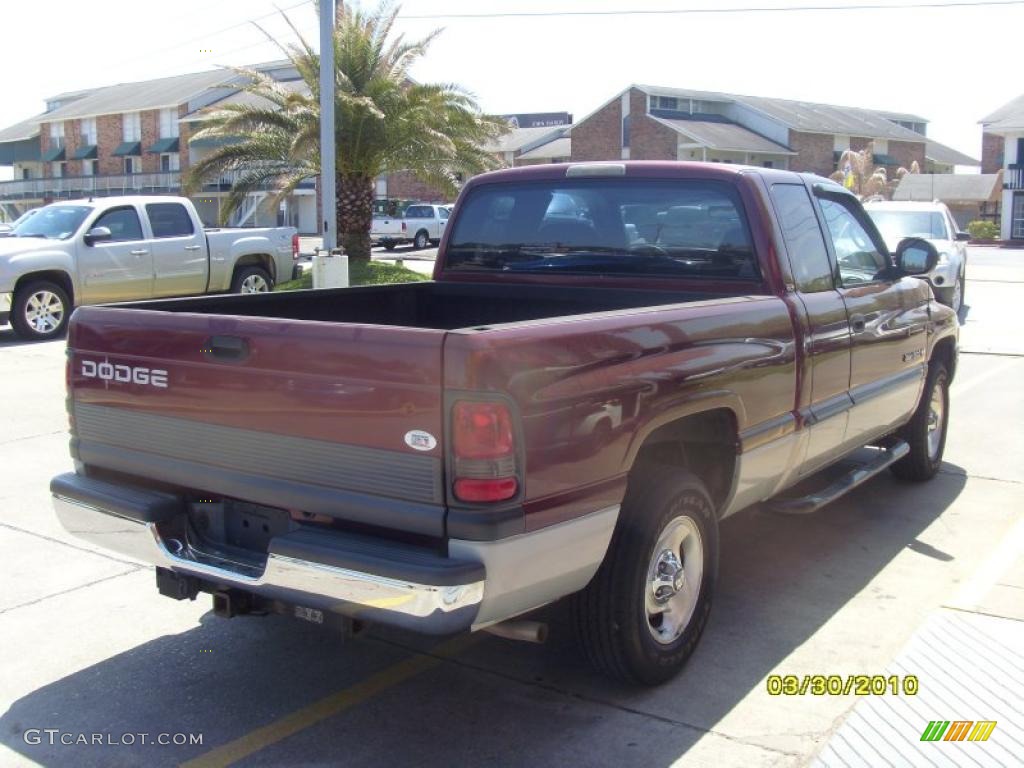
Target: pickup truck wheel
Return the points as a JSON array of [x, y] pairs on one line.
[[252, 280], [41, 311], [926, 431], [421, 240], [641, 616], [953, 297]]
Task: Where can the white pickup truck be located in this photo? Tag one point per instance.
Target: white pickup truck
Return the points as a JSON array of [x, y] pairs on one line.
[[126, 248], [421, 224]]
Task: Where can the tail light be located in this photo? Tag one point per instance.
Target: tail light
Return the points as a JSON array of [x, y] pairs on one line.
[[403, 226], [483, 445], [295, 246]]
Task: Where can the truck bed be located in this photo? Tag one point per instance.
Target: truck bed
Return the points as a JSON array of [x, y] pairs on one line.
[[433, 305]]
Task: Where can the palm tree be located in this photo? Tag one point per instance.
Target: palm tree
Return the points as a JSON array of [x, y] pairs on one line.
[[384, 121]]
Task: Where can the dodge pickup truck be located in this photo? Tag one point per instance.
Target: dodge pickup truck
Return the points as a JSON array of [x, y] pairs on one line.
[[569, 409], [420, 224], [121, 248]]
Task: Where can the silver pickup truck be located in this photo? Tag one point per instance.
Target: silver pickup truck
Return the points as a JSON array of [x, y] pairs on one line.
[[126, 248], [422, 224]]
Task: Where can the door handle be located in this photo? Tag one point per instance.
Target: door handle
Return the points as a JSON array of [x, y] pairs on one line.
[[193, 247], [858, 323], [139, 252]]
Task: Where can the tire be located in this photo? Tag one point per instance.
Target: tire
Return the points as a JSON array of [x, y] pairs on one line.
[[252, 280], [612, 616], [953, 297], [421, 240], [41, 311], [926, 438]]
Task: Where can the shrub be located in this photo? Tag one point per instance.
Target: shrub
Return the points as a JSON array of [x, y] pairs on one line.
[[361, 272], [983, 230]]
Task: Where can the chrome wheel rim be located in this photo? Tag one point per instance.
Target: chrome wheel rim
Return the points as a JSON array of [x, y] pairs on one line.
[[936, 417], [674, 577], [255, 284], [44, 311]]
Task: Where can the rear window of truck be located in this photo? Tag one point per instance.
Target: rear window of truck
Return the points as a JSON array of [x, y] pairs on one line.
[[635, 227]]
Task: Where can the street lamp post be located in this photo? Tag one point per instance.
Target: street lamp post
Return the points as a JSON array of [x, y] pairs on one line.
[[330, 269]]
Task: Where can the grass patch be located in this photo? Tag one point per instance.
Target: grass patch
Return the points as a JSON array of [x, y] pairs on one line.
[[361, 272]]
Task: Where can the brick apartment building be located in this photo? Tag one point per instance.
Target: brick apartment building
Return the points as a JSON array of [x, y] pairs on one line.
[[655, 123]]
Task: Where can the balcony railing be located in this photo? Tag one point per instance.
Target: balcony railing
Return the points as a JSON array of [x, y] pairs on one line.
[[78, 186], [69, 187], [1014, 176]]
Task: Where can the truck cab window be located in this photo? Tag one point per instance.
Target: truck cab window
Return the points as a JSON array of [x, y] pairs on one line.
[[169, 220], [860, 259], [804, 240], [123, 224]]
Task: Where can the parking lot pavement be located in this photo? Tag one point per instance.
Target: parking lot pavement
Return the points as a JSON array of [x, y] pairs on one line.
[[89, 647]]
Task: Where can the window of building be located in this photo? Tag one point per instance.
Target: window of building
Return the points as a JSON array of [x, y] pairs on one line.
[[26, 173], [131, 164], [169, 123], [123, 224], [57, 170], [804, 240], [665, 102], [87, 130], [56, 135], [860, 257], [768, 164], [132, 126], [625, 131], [169, 161], [90, 167], [169, 220]]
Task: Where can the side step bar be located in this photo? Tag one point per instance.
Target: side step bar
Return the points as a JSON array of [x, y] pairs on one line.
[[804, 505]]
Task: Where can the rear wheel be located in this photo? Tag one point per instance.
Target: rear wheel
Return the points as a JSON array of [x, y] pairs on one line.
[[252, 280], [421, 240], [41, 311], [925, 433], [641, 616]]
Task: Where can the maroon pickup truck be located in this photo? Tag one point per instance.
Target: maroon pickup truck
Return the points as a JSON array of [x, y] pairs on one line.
[[611, 359]]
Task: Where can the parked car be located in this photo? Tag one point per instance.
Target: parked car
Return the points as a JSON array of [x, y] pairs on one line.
[[123, 248], [421, 224], [7, 230], [931, 221], [569, 409]]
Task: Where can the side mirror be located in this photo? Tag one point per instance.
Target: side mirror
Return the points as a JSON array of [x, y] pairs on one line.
[[915, 256], [97, 235], [963, 237]]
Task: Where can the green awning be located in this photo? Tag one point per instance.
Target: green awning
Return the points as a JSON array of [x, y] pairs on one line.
[[164, 145], [880, 159], [53, 154], [128, 148], [85, 152]]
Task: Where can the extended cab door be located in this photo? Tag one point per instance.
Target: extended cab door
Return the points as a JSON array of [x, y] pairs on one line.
[[888, 320], [120, 268], [825, 400], [180, 261]]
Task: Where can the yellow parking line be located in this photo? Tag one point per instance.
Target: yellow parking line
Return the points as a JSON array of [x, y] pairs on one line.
[[282, 728]]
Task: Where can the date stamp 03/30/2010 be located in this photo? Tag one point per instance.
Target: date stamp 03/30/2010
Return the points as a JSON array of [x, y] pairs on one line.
[[842, 685]]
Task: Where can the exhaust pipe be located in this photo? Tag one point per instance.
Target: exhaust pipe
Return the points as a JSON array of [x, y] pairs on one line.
[[527, 631]]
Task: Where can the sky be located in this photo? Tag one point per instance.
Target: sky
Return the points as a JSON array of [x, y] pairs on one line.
[[950, 65]]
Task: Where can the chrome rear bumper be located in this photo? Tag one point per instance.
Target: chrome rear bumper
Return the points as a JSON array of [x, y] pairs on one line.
[[437, 608]]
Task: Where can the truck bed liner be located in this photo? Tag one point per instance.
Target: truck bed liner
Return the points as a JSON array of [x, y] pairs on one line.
[[433, 305]]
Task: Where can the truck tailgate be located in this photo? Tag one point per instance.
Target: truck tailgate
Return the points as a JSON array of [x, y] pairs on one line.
[[311, 416]]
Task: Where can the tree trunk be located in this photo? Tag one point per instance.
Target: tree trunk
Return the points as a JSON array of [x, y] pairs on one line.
[[355, 214]]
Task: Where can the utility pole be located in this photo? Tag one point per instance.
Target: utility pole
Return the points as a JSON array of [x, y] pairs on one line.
[[327, 148]]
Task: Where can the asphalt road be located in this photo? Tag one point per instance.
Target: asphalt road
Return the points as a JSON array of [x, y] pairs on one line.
[[88, 647]]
